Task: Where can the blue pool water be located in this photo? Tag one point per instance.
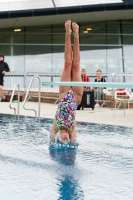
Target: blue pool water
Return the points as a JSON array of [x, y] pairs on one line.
[[100, 168]]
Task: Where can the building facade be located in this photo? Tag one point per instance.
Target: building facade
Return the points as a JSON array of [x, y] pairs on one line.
[[36, 43]]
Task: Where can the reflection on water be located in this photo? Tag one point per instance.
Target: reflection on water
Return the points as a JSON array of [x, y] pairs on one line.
[[64, 156], [69, 187], [100, 167]]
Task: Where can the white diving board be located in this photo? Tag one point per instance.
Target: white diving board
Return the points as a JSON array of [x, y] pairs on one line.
[[91, 84]]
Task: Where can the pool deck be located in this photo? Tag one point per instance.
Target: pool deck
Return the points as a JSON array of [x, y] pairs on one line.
[[102, 115]]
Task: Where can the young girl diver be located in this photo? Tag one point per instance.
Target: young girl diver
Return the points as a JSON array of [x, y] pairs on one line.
[[63, 127]]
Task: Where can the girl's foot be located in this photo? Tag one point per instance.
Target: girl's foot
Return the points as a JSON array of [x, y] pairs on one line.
[[68, 27], [75, 28]]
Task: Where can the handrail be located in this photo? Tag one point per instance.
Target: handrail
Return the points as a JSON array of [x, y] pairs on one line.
[[38, 98], [17, 84]]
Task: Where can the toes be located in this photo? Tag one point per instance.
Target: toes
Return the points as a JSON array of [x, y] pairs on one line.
[[75, 28], [74, 25], [68, 22], [68, 26]]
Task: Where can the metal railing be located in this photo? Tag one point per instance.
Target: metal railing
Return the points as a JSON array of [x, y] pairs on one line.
[[123, 77], [39, 97], [16, 85], [52, 92], [11, 78], [49, 92]]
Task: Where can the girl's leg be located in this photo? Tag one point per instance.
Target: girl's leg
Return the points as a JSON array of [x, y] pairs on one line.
[[1, 87], [76, 74], [66, 74]]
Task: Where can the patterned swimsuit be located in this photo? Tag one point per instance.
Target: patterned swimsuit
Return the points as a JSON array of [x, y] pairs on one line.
[[65, 114]]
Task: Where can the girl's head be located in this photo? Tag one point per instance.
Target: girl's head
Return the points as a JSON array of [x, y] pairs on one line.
[[63, 136]]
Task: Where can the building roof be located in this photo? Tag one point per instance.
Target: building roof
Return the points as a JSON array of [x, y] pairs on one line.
[[24, 8], [31, 12], [12, 5]]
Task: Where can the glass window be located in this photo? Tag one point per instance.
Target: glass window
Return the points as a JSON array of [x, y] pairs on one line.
[[127, 36], [113, 27], [58, 35], [88, 39], [15, 58], [38, 58], [128, 40], [10, 36], [38, 63], [58, 48], [113, 39], [128, 64], [93, 33], [93, 51], [17, 38], [93, 27], [114, 59], [93, 46], [114, 51], [38, 35], [93, 58], [127, 27], [114, 65], [128, 51], [31, 38], [113, 33], [58, 58], [5, 38], [58, 62], [58, 28], [41, 48], [5, 49], [58, 38]]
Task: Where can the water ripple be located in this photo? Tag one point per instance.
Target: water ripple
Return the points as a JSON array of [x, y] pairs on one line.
[[99, 167]]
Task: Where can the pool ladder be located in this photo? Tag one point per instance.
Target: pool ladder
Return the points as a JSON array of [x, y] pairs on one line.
[[10, 106], [39, 98], [26, 97]]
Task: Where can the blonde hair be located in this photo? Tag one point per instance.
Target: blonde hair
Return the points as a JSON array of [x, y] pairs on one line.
[[99, 70]]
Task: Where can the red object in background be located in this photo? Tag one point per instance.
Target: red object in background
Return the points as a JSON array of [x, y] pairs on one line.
[[121, 93], [85, 78]]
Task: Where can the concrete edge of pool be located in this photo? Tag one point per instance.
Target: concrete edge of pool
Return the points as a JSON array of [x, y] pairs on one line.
[[102, 115]]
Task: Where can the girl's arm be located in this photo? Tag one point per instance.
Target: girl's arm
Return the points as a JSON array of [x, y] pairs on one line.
[[53, 131], [73, 134]]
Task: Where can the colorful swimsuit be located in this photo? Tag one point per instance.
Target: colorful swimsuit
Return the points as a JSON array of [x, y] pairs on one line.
[[65, 114]]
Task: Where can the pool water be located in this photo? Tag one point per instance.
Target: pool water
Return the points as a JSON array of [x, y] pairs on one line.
[[100, 167]]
